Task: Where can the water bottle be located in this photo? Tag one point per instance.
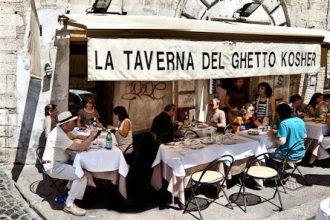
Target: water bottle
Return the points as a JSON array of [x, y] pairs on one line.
[[108, 140], [186, 121], [94, 124], [60, 200]]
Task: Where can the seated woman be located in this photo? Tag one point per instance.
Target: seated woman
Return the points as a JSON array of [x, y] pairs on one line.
[[51, 113], [247, 119], [315, 102], [123, 132], [87, 114], [265, 104]]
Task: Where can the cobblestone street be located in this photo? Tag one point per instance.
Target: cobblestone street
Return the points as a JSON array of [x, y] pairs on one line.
[[12, 206]]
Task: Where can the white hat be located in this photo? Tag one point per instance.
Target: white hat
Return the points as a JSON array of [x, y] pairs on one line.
[[65, 117]]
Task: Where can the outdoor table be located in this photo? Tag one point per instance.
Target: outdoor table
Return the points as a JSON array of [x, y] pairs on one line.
[[263, 139], [104, 164], [317, 131], [323, 213], [178, 165], [201, 131]]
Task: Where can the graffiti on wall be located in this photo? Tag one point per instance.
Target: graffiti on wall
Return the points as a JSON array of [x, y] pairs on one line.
[[136, 90]]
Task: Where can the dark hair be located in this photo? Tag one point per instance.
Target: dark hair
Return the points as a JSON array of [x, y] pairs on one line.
[[268, 89], [88, 99], [284, 111], [169, 107], [121, 112], [49, 107], [294, 98], [312, 102]]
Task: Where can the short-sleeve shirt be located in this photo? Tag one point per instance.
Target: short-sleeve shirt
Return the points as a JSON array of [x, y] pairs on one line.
[[56, 145], [87, 118], [293, 129], [243, 124], [218, 116]]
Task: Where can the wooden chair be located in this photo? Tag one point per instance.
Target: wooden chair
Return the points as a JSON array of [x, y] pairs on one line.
[[211, 175]]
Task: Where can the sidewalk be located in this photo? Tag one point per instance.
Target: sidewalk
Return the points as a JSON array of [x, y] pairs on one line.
[[301, 202]]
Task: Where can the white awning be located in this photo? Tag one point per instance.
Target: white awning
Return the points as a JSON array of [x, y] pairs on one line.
[[162, 48]]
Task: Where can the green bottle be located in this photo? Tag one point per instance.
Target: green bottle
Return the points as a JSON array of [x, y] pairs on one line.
[[108, 139]]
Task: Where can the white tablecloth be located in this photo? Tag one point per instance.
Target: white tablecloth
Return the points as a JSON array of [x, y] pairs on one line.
[[317, 131], [202, 132], [101, 160], [323, 213], [263, 139], [244, 148]]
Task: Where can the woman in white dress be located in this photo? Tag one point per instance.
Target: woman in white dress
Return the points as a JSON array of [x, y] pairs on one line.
[[123, 131]]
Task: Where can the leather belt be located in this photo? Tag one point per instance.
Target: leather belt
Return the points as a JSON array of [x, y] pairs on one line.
[[46, 161]]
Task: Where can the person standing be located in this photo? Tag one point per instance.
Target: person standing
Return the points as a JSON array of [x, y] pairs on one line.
[[123, 131], [217, 117], [163, 126], [235, 99], [51, 113], [56, 156], [265, 104]]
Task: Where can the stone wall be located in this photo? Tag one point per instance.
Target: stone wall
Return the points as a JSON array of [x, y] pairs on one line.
[[12, 31]]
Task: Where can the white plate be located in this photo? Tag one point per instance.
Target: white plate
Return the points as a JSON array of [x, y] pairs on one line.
[[228, 141], [207, 142]]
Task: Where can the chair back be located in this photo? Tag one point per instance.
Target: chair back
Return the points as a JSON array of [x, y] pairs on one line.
[[226, 159], [228, 129], [260, 160], [39, 154], [190, 134], [294, 147]]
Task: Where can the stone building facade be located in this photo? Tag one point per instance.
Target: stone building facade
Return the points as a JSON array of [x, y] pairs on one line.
[[24, 54]]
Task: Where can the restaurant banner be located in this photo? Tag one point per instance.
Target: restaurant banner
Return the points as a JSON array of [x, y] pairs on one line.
[[170, 59]]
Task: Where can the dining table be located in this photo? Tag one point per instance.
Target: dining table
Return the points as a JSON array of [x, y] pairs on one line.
[[316, 131], [175, 162], [262, 137], [103, 163]]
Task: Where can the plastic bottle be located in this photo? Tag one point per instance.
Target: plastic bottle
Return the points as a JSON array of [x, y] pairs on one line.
[[108, 140], [60, 200], [186, 121]]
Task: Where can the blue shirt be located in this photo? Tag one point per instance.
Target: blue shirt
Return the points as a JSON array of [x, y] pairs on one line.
[[293, 129]]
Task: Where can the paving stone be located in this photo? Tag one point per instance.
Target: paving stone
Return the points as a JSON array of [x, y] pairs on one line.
[[10, 206]]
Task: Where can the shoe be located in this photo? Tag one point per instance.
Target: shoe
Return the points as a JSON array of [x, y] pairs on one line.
[[74, 210]]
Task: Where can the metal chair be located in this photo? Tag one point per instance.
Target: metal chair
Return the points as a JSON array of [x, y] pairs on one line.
[[211, 175], [39, 153], [293, 163], [190, 134], [257, 169], [228, 129]]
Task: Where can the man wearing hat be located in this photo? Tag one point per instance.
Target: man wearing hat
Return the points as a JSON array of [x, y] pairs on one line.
[[56, 156]]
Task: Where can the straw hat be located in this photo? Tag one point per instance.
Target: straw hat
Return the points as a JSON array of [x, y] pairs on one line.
[[65, 117]]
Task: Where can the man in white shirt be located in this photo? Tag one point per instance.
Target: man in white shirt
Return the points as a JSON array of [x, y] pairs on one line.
[[56, 156]]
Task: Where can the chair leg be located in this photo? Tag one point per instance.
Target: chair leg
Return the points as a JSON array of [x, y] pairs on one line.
[[199, 210], [303, 177], [279, 196], [225, 194]]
